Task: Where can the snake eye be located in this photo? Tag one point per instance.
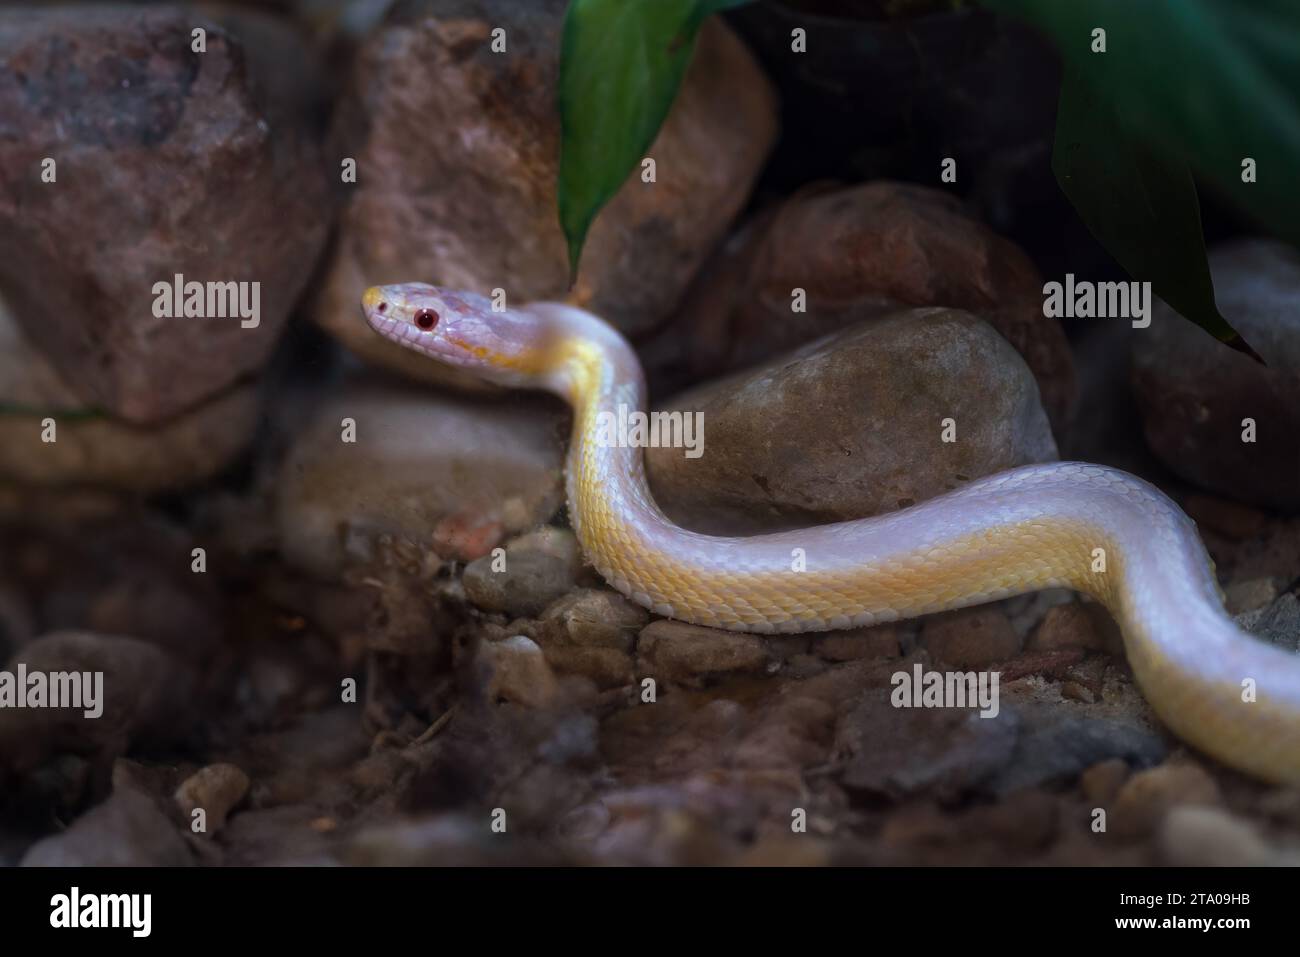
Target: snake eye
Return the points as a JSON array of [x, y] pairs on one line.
[[426, 319]]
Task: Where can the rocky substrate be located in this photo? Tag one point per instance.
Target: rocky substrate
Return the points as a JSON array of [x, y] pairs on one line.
[[539, 700]]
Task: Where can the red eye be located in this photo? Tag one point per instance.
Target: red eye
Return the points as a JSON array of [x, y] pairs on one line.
[[426, 319]]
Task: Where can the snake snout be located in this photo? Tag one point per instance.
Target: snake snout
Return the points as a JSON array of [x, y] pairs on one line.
[[374, 301]]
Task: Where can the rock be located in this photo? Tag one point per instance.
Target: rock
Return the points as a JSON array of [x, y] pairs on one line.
[[145, 697], [1248, 599], [970, 637], [1059, 740], [477, 210], [1149, 795], [104, 452], [686, 653], [856, 251], [1274, 553], [216, 789], [94, 449], [1211, 837], [1101, 782], [880, 641], [452, 475], [168, 163], [1077, 625], [606, 667], [127, 830], [1278, 623], [536, 570], [519, 672], [593, 618], [852, 426], [592, 632], [901, 752], [1195, 393]]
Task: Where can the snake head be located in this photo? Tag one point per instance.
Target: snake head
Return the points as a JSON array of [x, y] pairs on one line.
[[462, 329]]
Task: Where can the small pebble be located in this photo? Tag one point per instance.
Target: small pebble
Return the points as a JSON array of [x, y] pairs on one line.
[[1211, 837], [1149, 795], [1077, 625], [681, 652], [519, 672], [1102, 781], [216, 789]]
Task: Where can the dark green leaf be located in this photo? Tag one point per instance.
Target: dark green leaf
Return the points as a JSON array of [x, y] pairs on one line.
[[621, 62], [1141, 207], [1207, 83]]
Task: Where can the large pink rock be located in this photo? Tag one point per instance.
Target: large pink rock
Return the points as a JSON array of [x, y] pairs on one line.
[[457, 152], [168, 161]]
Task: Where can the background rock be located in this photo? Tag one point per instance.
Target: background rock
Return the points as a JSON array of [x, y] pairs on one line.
[[1077, 624], [538, 568], [1192, 836], [970, 637], [851, 425], [592, 632], [168, 163], [1195, 392], [897, 752], [457, 152], [144, 696], [450, 474], [94, 449], [518, 672], [689, 653], [857, 251], [216, 789], [127, 830], [1148, 796]]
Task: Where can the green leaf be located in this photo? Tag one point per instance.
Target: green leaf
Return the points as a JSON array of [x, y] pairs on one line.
[[621, 62], [1141, 207], [1206, 83]]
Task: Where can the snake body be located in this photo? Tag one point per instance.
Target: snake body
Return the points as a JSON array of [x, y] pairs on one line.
[[1065, 524]]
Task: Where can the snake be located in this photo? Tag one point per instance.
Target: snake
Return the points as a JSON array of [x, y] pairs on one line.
[[1094, 529]]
